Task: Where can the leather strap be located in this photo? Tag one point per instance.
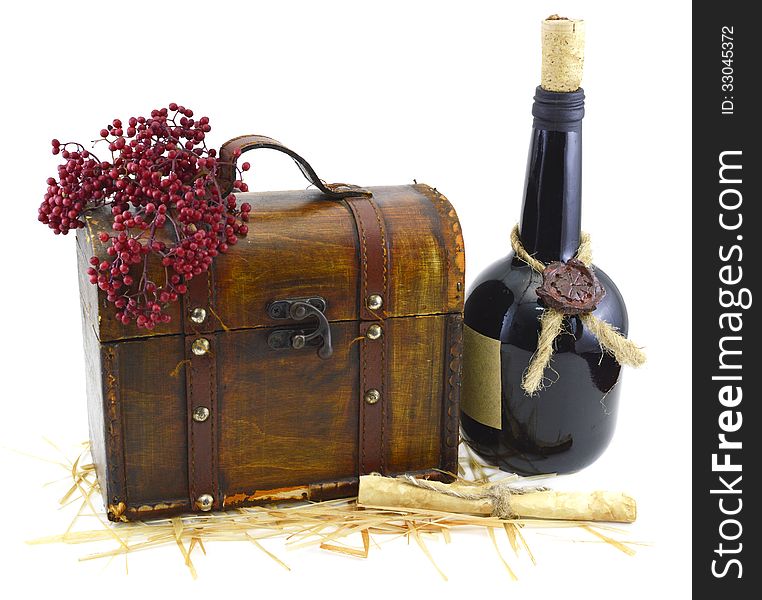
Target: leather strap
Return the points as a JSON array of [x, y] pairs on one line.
[[226, 173], [374, 256], [199, 295], [374, 271], [201, 392], [373, 434], [453, 353]]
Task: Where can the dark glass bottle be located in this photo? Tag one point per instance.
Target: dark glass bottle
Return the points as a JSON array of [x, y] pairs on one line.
[[569, 423]]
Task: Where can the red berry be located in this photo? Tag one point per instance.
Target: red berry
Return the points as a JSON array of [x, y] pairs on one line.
[[161, 167]]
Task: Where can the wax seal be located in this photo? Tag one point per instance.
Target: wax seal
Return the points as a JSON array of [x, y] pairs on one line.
[[571, 287]]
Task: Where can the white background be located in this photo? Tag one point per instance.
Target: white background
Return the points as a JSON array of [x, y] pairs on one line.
[[373, 94]]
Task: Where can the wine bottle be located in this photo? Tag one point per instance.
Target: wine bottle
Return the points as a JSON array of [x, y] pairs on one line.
[[569, 422]]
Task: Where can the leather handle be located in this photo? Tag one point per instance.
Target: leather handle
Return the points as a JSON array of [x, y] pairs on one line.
[[226, 174]]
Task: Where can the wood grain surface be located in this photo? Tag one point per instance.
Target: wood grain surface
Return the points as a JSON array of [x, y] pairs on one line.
[[287, 422]]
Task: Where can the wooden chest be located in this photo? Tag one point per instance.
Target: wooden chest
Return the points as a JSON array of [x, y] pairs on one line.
[[324, 345]]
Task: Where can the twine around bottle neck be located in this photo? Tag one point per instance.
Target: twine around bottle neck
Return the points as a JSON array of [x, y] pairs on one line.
[[584, 251], [624, 351]]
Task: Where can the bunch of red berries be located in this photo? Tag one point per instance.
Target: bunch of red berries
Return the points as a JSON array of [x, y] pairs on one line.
[[162, 179]]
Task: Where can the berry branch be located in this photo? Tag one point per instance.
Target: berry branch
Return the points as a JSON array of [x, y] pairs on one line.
[[162, 178]]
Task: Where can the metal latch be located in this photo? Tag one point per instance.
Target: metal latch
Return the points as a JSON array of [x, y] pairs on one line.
[[298, 309]]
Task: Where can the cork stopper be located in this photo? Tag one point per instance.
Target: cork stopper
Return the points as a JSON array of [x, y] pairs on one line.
[[563, 53]]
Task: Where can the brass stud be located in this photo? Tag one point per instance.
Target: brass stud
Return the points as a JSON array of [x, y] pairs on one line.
[[205, 502], [200, 346], [374, 332], [375, 302], [198, 315], [200, 414], [372, 396]]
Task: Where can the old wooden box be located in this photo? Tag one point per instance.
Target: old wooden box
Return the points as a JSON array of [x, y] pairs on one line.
[[235, 403]]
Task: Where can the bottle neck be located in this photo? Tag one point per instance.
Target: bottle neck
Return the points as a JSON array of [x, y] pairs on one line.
[[551, 215]]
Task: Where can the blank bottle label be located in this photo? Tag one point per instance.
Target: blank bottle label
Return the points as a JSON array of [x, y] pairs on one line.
[[480, 391]]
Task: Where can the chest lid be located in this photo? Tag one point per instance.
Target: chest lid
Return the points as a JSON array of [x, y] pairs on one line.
[[379, 252]]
